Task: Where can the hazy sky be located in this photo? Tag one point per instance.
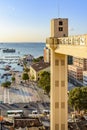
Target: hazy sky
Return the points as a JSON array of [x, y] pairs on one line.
[[29, 20]]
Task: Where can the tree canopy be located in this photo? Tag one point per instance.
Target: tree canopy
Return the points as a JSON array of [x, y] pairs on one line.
[[40, 58], [25, 76], [6, 84], [78, 98], [26, 69], [44, 81], [13, 79]]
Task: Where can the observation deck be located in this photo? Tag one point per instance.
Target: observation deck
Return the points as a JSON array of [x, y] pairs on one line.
[[72, 45]]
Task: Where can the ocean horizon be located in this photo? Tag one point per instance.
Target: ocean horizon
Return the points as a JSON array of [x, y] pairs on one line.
[[35, 48]]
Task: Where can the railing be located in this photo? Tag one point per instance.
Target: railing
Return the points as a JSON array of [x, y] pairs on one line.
[[71, 40], [52, 41]]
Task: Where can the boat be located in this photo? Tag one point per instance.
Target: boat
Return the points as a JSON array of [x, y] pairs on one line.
[[9, 50]]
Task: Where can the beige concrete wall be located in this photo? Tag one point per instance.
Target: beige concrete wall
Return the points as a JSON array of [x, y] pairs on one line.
[[58, 91], [76, 51], [55, 27]]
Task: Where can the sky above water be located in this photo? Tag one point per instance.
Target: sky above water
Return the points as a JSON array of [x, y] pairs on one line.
[[29, 20]]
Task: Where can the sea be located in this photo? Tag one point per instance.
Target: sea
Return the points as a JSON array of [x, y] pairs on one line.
[[21, 49]]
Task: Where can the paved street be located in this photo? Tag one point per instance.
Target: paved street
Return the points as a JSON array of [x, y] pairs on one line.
[[22, 93]]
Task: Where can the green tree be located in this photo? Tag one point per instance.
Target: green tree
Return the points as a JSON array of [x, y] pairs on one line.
[[38, 59], [6, 84], [44, 81], [25, 76], [13, 79], [78, 98], [84, 98]]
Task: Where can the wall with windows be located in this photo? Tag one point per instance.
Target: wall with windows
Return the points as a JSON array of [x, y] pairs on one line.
[[59, 27], [75, 72]]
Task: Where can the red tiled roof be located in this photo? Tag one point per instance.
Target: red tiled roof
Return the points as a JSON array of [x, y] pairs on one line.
[[26, 122], [40, 66]]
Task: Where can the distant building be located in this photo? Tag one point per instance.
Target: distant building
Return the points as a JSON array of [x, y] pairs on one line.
[[36, 68], [26, 123], [28, 57], [75, 72], [80, 63], [47, 55]]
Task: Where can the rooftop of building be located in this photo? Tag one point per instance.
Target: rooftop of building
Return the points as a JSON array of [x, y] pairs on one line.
[[23, 122], [26, 122], [74, 66], [40, 66], [60, 19]]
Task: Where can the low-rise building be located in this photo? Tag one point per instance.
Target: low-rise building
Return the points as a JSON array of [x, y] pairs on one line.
[[36, 68], [80, 62], [75, 72], [47, 55]]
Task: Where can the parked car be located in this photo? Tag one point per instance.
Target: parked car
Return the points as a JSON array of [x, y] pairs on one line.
[[25, 106]]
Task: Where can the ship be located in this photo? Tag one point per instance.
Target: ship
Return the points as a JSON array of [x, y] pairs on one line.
[[9, 50]]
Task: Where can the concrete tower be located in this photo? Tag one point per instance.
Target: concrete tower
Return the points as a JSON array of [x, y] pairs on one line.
[[59, 28], [60, 48]]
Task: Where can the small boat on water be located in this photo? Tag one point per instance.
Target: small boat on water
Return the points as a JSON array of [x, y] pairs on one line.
[[7, 67], [9, 50]]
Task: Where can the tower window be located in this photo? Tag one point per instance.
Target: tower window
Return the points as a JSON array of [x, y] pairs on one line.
[[62, 62], [56, 83], [60, 28], [63, 105], [60, 23], [62, 126], [56, 105], [56, 62], [56, 126]]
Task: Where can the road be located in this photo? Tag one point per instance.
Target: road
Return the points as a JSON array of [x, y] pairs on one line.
[[22, 93], [19, 94]]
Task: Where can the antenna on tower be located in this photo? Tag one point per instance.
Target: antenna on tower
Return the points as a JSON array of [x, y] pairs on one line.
[[58, 8]]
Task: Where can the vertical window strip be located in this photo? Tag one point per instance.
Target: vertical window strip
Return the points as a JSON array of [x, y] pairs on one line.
[[56, 62], [63, 105], [56, 105], [62, 126], [56, 83], [62, 83], [56, 126], [62, 62]]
